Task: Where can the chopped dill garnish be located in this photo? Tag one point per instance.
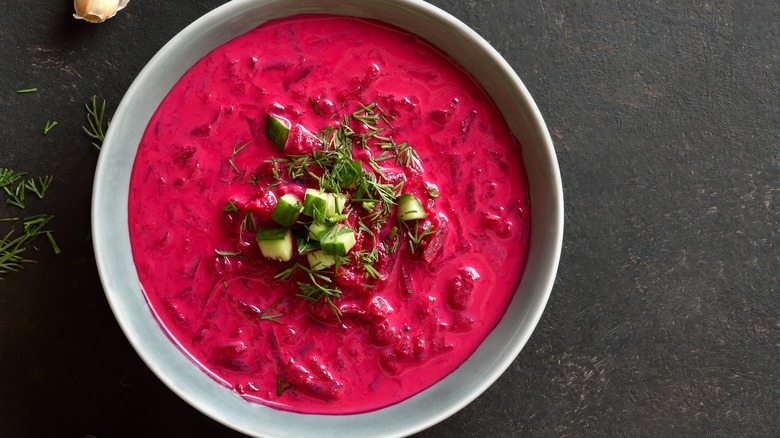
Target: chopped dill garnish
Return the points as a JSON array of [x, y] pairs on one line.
[[233, 165], [16, 197], [50, 124], [248, 223], [8, 176], [284, 275], [281, 387], [95, 116], [53, 243], [238, 148], [230, 207], [44, 182], [272, 317], [314, 107], [368, 258], [415, 236], [346, 168], [12, 247]]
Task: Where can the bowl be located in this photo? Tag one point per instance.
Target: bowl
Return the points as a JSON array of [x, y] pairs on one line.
[[120, 278]]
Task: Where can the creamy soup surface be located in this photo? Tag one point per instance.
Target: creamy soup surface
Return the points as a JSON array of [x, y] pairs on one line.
[[328, 215]]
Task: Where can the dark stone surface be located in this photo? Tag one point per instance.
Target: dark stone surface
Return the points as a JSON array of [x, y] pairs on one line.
[[665, 318]]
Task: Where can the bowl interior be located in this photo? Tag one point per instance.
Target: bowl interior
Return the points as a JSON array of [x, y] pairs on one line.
[[120, 280]]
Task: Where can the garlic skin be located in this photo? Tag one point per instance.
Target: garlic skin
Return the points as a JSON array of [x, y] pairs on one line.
[[97, 11]]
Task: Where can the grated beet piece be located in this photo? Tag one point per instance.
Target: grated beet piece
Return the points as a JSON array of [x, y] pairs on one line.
[[436, 245], [321, 385], [382, 333], [262, 204], [202, 130], [231, 364], [462, 287], [301, 141]]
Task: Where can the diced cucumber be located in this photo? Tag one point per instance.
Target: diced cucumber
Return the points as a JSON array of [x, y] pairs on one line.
[[338, 241], [315, 203], [275, 243], [318, 229], [277, 129], [305, 243], [319, 260], [350, 174], [270, 234], [335, 205], [323, 205], [410, 208], [287, 210]]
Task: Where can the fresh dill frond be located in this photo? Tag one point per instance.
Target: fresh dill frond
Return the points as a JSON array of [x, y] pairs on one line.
[[44, 182], [50, 124], [238, 148], [267, 316], [95, 116], [8, 176], [16, 197], [281, 387], [13, 247]]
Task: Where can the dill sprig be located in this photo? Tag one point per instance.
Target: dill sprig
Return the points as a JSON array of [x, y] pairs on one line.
[[238, 148], [230, 207], [318, 286], [281, 387], [95, 116], [273, 317], [404, 154], [43, 181], [414, 236], [368, 259], [8, 176], [11, 250], [50, 124], [12, 247], [16, 197]]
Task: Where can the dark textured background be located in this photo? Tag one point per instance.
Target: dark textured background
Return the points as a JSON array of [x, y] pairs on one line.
[[664, 320]]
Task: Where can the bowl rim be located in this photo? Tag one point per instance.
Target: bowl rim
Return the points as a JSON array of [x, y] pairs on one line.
[[123, 291]]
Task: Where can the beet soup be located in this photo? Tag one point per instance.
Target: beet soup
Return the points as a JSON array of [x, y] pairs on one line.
[[328, 215]]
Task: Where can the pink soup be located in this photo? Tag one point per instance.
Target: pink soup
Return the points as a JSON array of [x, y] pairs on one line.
[[308, 128]]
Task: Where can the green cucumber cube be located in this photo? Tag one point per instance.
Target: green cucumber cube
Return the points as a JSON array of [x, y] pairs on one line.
[[350, 174], [335, 205], [288, 209], [324, 205], [318, 229], [276, 243], [318, 260], [277, 129], [338, 241], [410, 208], [305, 243], [315, 203]]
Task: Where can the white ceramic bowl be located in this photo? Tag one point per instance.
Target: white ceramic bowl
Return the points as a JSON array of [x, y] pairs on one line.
[[120, 279]]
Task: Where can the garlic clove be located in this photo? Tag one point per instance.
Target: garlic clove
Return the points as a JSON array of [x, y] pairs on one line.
[[97, 11]]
